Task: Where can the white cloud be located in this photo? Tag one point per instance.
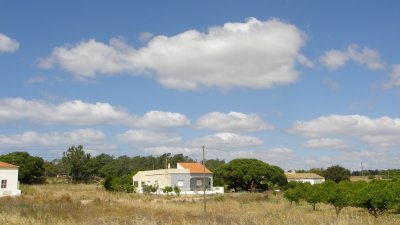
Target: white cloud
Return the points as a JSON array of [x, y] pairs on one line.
[[394, 78], [52, 139], [382, 140], [377, 132], [232, 122], [160, 119], [334, 59], [8, 44], [70, 112], [366, 56], [146, 138], [77, 112], [225, 140], [325, 143], [253, 54]]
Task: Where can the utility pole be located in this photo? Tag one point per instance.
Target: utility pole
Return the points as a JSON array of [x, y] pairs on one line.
[[204, 181]]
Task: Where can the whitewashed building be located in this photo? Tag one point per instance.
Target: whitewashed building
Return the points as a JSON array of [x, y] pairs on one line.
[[311, 178], [189, 177], [9, 185]]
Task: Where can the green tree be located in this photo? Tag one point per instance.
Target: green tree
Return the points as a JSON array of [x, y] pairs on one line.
[[214, 164], [295, 193], [95, 164], [30, 169], [313, 194], [75, 159], [249, 174], [337, 173], [337, 195], [376, 196]]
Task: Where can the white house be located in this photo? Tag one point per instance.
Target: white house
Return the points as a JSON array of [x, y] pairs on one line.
[[189, 177], [9, 185], [311, 178]]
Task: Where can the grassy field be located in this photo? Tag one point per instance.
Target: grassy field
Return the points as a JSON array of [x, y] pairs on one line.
[[87, 204]]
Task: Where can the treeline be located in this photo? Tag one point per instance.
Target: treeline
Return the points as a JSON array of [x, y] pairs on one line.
[[377, 196], [385, 174], [78, 166]]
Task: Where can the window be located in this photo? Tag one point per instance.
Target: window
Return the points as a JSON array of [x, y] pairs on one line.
[[3, 184], [135, 184], [179, 183], [199, 183]]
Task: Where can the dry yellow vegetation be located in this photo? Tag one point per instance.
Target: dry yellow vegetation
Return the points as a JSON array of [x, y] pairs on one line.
[[88, 204]]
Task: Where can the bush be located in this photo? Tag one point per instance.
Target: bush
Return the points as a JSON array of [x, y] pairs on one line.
[[167, 190], [148, 189], [177, 190], [120, 184]]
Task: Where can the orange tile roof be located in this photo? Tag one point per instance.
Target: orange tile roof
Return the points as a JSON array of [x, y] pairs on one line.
[[7, 165], [194, 167]]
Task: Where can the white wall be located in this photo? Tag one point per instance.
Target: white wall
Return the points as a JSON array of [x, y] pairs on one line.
[[311, 181], [11, 175]]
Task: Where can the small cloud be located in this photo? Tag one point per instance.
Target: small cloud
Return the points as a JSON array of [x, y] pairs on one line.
[[145, 36], [394, 78], [325, 143], [333, 59], [232, 122], [8, 44]]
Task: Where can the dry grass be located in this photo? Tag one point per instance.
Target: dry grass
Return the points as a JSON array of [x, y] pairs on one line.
[[86, 204]]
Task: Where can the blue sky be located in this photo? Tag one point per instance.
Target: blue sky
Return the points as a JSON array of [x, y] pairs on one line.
[[298, 84]]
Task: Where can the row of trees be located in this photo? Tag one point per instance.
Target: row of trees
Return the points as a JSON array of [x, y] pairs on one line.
[[344, 174], [376, 196], [79, 166]]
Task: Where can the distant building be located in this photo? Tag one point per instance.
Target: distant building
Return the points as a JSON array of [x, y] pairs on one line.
[[189, 177], [311, 178], [9, 185]]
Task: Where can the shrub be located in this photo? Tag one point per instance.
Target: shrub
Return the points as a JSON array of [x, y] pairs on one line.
[[147, 189], [177, 190], [167, 190]]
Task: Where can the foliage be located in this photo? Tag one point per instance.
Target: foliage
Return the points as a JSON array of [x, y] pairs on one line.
[[177, 190], [31, 168], [120, 184], [249, 174], [336, 195], [376, 196], [167, 190], [313, 194], [292, 195], [75, 159], [148, 189], [337, 173], [214, 164]]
